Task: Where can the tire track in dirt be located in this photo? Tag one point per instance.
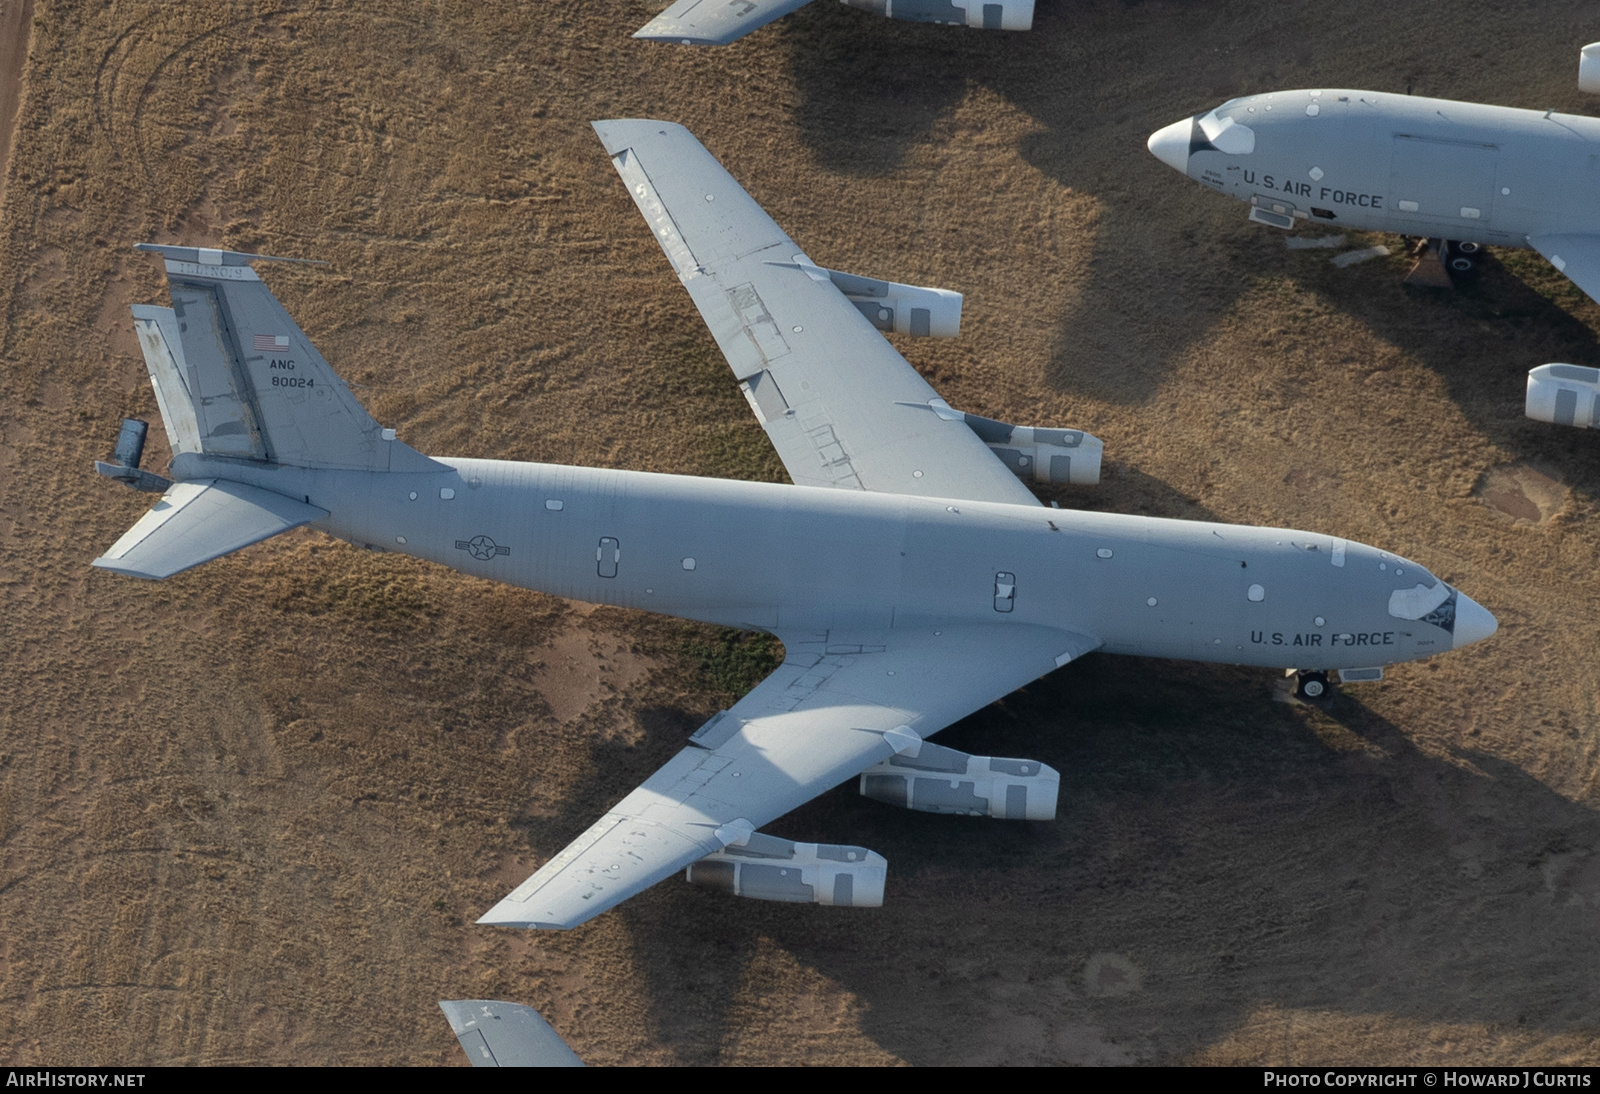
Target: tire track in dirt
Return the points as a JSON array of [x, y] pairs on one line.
[[16, 30]]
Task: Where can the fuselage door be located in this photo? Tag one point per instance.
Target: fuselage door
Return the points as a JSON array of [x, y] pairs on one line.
[[607, 556], [1005, 591], [1448, 182]]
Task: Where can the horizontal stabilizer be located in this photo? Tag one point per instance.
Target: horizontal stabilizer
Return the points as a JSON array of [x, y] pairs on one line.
[[195, 522], [498, 1034]]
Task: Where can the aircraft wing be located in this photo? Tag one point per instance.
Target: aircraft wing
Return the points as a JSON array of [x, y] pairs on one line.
[[1577, 256], [838, 704], [714, 22], [842, 407], [499, 1034]]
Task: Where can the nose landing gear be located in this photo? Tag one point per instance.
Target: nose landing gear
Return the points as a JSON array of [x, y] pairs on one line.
[[1462, 259], [1441, 263], [1312, 684]]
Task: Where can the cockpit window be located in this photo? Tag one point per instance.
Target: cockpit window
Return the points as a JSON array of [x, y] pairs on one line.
[[1227, 135]]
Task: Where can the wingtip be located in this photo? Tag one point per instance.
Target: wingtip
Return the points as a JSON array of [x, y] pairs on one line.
[[672, 33], [510, 913], [619, 133]]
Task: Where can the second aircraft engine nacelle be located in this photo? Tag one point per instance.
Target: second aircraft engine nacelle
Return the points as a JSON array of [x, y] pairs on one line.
[[907, 309], [1589, 68], [1060, 456], [941, 780], [1565, 395], [768, 868], [983, 14]]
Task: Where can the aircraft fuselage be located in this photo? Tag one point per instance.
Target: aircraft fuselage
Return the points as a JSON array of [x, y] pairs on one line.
[[770, 557], [1397, 163]]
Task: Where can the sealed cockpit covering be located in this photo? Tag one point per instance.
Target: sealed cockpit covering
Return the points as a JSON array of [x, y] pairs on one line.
[[765, 867], [1565, 395], [935, 779]]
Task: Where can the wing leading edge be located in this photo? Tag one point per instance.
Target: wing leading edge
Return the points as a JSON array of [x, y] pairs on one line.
[[842, 408], [837, 705], [714, 22], [1577, 256]]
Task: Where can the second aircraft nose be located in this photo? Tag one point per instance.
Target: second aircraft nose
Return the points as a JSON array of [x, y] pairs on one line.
[[1474, 622], [1170, 144]]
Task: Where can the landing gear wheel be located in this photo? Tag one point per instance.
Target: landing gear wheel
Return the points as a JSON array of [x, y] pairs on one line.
[[1463, 259], [1313, 686]]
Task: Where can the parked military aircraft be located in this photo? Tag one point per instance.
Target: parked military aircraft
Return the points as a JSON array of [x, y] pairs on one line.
[[718, 22], [910, 573], [1463, 174]]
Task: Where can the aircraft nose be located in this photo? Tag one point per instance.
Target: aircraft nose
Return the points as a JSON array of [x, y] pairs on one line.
[[1170, 145], [1474, 622]]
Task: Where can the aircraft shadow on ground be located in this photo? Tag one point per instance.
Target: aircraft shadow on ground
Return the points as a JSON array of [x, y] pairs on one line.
[[1159, 273], [1236, 853], [1482, 337], [1168, 260]]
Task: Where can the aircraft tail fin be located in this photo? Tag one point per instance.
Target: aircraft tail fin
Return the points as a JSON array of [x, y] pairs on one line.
[[236, 377], [198, 521]]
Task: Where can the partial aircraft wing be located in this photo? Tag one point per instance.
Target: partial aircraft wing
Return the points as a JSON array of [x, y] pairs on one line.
[[1577, 256], [839, 703], [714, 22], [842, 407], [498, 1034]]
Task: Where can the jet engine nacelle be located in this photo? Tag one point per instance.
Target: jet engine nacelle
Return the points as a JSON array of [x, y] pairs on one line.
[[765, 867], [1060, 456], [907, 309], [941, 780], [1565, 395], [990, 15], [1589, 69]]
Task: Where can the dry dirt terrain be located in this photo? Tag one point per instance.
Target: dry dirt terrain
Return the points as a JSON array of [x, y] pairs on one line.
[[249, 814]]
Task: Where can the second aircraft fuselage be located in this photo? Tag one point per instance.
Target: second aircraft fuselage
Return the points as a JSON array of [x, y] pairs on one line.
[[1397, 163], [791, 560]]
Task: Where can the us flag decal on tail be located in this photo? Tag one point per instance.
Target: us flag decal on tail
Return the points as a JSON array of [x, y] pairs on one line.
[[271, 343]]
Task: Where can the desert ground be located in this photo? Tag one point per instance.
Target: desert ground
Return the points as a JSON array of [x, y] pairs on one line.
[[249, 814]]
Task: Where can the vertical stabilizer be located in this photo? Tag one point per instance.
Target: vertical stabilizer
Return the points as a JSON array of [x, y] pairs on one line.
[[236, 377]]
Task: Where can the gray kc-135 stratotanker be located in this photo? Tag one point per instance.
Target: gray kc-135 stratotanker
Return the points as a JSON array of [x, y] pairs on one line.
[[910, 573], [718, 22], [1463, 174]]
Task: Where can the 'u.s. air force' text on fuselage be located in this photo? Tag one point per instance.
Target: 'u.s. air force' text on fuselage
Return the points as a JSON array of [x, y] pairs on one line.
[[1448, 171]]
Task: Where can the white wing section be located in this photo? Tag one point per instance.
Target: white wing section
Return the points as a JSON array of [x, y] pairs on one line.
[[842, 407], [499, 1034], [837, 705], [714, 22], [195, 522], [1577, 256]]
